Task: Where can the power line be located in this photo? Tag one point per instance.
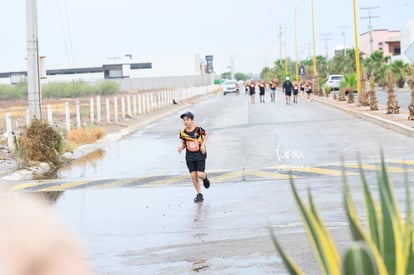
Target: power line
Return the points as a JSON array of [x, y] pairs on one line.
[[326, 39], [343, 28], [369, 17]]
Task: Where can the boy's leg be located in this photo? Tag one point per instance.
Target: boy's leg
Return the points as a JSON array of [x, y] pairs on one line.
[[201, 166], [192, 168], [196, 183]]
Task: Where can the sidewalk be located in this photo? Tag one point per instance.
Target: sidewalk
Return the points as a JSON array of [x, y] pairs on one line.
[[396, 122]]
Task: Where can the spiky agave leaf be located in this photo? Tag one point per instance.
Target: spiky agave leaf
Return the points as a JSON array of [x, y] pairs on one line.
[[391, 224], [372, 210], [357, 230], [328, 235], [359, 260], [290, 265], [409, 231], [320, 243]]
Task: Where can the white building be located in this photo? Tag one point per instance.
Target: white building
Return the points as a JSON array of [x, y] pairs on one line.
[[117, 68], [407, 38]]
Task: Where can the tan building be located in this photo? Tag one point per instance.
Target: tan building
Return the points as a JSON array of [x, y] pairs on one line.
[[382, 40]]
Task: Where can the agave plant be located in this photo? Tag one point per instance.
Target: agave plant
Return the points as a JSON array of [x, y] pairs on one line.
[[384, 246]]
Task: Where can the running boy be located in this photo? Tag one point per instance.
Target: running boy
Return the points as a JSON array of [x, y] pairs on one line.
[[194, 140]]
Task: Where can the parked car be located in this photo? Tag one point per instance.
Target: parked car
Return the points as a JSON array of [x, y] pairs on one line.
[[230, 86], [334, 81]]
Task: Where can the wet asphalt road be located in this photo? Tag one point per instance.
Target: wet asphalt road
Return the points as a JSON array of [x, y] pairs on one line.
[[153, 227]]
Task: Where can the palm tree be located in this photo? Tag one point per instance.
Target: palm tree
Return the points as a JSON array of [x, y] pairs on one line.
[[374, 66], [266, 74], [400, 71]]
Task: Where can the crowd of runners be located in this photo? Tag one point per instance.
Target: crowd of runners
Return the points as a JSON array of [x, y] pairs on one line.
[[290, 89]]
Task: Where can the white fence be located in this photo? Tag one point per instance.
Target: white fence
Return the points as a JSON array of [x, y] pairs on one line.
[[98, 110]]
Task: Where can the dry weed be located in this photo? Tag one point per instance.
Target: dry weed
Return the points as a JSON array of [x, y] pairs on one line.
[[85, 135]]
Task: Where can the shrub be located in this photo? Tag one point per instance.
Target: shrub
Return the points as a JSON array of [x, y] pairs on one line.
[[107, 88], [40, 142], [385, 246], [85, 135], [13, 92], [71, 89]]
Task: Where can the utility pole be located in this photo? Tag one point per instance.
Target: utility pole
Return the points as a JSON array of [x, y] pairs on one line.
[[344, 35], [33, 62], [280, 42], [369, 17], [308, 48], [326, 39], [357, 61], [296, 51]]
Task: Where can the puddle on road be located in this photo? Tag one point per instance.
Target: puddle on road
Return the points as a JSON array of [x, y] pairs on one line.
[[50, 196], [135, 156]]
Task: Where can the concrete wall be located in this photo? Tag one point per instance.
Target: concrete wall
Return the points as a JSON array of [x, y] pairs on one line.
[[167, 82]]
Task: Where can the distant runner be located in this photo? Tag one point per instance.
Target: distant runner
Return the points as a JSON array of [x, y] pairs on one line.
[[287, 89], [273, 85], [262, 89], [295, 92]]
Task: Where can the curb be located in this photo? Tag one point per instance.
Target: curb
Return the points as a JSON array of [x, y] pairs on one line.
[[391, 125]]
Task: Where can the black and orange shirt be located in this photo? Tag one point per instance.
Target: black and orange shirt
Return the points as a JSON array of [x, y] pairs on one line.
[[262, 87], [272, 85], [193, 142], [295, 87]]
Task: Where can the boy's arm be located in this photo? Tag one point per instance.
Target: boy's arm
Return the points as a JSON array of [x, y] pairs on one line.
[[181, 147], [204, 139]]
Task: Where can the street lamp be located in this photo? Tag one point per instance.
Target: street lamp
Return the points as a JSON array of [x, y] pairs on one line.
[[296, 51], [315, 72], [358, 69]]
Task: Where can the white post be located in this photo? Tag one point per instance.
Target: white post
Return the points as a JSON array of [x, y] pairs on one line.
[[108, 111], [139, 104], [129, 106], [152, 102], [134, 100], [159, 101], [123, 107], [78, 116], [148, 104], [92, 112], [9, 131], [144, 104], [27, 117], [98, 109], [49, 114], [116, 108], [67, 116]]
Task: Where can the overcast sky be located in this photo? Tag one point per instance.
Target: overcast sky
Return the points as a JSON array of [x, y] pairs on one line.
[[86, 32]]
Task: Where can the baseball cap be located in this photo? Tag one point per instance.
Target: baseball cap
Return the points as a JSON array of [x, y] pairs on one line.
[[187, 114]]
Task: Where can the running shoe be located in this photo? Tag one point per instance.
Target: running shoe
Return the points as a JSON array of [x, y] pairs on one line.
[[206, 182], [199, 198]]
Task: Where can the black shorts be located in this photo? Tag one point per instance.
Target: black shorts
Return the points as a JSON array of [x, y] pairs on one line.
[[295, 92], [309, 91], [288, 93], [196, 165]]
